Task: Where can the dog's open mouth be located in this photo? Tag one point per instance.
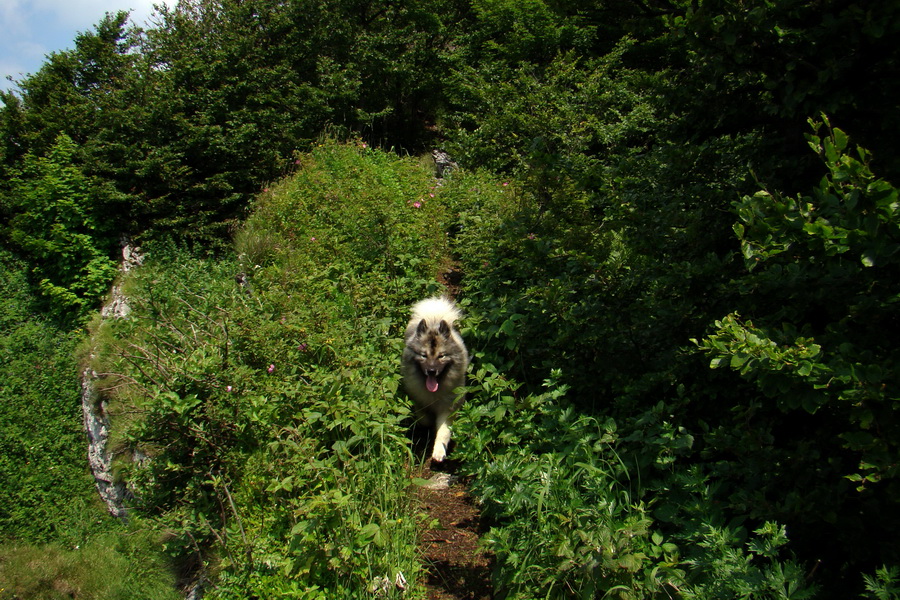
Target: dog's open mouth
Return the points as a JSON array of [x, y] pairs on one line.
[[431, 383]]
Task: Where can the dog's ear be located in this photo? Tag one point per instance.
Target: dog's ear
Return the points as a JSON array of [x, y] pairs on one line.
[[444, 329], [422, 328]]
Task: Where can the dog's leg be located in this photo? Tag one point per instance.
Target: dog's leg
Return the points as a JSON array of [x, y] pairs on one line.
[[441, 438]]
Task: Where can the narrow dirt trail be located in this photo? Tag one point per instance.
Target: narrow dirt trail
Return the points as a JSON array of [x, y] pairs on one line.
[[458, 567]]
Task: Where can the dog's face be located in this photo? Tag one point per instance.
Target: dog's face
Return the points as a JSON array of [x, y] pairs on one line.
[[434, 350]]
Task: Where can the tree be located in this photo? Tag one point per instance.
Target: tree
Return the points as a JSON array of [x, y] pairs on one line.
[[56, 229]]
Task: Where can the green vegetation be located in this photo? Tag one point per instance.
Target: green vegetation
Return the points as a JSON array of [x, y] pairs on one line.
[[682, 319], [107, 567]]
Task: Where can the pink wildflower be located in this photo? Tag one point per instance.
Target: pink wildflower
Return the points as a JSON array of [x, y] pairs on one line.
[[417, 204], [271, 369]]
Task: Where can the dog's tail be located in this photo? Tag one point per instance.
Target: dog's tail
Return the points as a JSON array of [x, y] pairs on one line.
[[437, 309]]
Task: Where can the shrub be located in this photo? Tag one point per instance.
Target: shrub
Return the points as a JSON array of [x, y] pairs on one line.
[[56, 229], [815, 334], [41, 441]]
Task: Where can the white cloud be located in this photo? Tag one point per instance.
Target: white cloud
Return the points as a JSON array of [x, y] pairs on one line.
[[32, 29]]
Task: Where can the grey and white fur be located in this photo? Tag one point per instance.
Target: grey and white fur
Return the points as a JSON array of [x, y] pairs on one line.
[[433, 367]]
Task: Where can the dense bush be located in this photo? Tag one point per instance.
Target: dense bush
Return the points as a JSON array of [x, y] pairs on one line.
[[715, 459], [58, 230], [41, 442], [815, 335]]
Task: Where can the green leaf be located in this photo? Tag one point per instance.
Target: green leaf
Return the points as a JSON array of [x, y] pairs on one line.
[[738, 360], [368, 533], [840, 139], [718, 361]]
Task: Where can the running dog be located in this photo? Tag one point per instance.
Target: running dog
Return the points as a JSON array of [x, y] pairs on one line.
[[434, 365]]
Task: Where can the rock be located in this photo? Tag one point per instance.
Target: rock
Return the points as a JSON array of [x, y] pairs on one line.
[[96, 425], [443, 164], [96, 418], [441, 481], [117, 305]]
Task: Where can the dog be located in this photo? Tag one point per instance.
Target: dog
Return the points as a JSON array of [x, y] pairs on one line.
[[434, 365]]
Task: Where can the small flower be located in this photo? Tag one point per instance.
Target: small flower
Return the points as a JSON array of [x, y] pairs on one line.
[[417, 204], [271, 369], [228, 389], [431, 195], [505, 183], [531, 236], [302, 347], [312, 239]]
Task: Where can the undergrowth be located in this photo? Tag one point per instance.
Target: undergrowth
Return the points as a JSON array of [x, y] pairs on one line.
[[56, 540]]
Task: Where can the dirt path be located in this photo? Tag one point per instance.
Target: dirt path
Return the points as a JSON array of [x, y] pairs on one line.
[[458, 567]]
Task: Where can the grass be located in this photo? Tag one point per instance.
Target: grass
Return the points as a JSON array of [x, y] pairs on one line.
[[109, 567]]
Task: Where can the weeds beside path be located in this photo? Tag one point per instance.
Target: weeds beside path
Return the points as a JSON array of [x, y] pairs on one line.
[[269, 400]]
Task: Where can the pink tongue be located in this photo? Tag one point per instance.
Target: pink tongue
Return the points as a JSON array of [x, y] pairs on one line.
[[431, 383]]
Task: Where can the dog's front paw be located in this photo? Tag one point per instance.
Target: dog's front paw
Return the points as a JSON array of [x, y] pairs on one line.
[[439, 453]]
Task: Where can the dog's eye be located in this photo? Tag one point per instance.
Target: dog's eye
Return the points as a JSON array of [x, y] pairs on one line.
[[423, 355], [440, 356]]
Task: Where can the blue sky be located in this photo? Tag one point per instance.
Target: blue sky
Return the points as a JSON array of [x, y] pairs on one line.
[[32, 29]]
